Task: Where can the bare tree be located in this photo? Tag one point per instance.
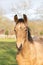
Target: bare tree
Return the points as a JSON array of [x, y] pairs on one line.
[[2, 11], [21, 7]]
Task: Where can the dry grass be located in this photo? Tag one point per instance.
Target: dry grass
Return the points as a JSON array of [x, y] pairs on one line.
[[36, 27]]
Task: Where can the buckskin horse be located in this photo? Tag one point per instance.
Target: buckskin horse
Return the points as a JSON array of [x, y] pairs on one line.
[[30, 52]]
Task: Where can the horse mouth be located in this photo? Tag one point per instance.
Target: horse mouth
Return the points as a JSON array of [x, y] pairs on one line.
[[19, 49]]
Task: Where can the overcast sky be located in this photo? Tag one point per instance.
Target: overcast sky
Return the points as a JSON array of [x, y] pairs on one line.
[[32, 8]]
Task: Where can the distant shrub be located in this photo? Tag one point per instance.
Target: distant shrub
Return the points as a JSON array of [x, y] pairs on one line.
[[41, 33], [6, 32]]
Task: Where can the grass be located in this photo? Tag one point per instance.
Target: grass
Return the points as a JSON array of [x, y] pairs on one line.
[[8, 52]]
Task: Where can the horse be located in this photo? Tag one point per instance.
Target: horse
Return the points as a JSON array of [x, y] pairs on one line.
[[30, 52]]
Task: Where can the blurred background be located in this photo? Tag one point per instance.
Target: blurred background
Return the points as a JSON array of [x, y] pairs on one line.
[[8, 8], [32, 8]]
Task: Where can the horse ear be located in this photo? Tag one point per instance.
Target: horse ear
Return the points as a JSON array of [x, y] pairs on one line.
[[15, 18], [25, 18]]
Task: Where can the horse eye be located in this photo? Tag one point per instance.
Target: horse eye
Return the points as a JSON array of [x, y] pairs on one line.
[[14, 30], [25, 29]]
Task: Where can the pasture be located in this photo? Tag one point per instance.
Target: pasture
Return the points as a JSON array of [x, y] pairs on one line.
[[8, 52]]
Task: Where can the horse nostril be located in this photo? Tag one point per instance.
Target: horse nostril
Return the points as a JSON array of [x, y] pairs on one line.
[[19, 47]]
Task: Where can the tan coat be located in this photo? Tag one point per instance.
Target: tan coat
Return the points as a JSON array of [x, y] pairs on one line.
[[31, 54]]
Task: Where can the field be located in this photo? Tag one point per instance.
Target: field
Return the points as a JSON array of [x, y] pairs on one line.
[[36, 27], [8, 52], [8, 46]]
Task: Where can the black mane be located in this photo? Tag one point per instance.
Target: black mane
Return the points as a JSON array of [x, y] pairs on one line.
[[29, 36]]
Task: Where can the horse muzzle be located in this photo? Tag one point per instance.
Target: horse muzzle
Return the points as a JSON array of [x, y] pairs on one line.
[[19, 47]]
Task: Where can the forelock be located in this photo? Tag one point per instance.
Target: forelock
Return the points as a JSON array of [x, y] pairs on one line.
[[20, 20]]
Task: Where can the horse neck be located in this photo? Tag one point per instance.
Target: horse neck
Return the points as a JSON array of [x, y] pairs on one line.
[[26, 44], [26, 47]]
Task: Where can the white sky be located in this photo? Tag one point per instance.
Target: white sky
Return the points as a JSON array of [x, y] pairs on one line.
[[33, 8]]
